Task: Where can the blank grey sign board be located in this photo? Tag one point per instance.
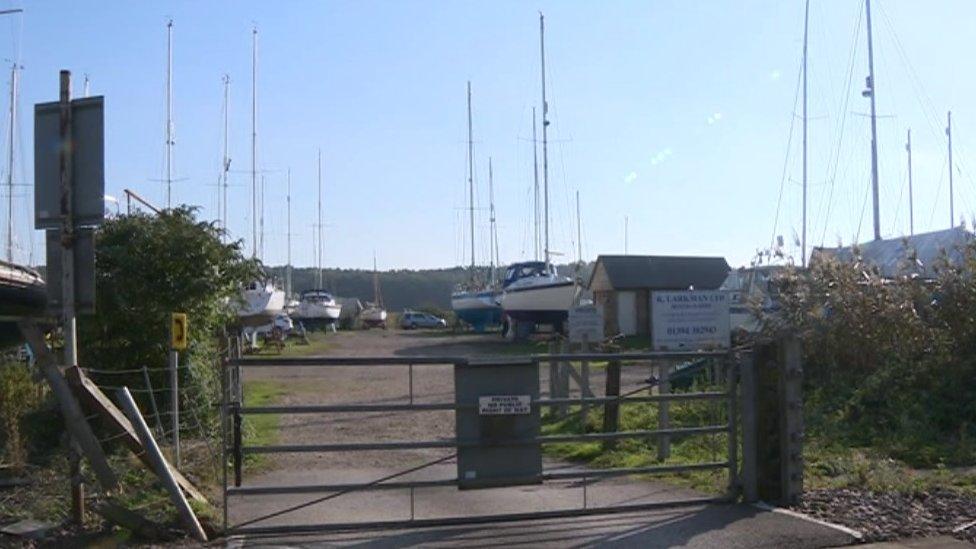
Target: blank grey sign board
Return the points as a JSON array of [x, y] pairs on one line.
[[87, 158]]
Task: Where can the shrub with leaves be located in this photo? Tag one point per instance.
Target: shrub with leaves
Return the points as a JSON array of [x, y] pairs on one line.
[[147, 268], [888, 362]]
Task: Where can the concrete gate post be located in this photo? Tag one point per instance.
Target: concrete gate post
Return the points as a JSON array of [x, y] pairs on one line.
[[772, 422]]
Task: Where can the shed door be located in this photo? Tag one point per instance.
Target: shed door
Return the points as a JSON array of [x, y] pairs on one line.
[[627, 313]]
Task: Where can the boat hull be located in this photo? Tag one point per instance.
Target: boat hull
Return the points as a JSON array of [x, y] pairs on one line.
[[541, 303], [260, 307], [477, 309], [373, 317], [22, 294], [324, 313]]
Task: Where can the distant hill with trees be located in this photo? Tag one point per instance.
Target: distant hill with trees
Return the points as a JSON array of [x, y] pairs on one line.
[[401, 288]]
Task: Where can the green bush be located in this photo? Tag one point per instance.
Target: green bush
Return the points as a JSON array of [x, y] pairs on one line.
[[888, 363], [147, 268]]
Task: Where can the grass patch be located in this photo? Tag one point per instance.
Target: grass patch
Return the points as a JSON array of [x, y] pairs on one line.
[[261, 429], [834, 465], [643, 452]]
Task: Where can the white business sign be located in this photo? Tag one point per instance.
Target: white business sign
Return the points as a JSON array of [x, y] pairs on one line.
[[504, 405], [585, 324], [690, 320]]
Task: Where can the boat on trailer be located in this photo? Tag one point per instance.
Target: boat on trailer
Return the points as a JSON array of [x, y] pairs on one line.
[[317, 309], [534, 292]]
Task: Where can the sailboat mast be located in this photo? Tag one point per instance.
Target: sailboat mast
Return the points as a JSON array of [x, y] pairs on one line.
[[254, 142], [471, 177], [288, 238], [493, 239], [318, 254], [806, 28], [222, 192], [377, 297], [626, 235], [10, 163], [261, 221], [869, 92], [952, 210], [169, 113], [535, 184], [545, 127], [579, 233], [911, 200]]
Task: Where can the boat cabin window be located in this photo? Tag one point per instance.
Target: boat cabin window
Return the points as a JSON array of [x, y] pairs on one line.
[[525, 270]]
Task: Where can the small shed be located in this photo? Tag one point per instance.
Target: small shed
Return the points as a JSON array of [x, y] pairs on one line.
[[622, 285]]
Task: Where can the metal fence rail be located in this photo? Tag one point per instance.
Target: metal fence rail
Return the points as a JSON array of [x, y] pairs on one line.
[[234, 410]]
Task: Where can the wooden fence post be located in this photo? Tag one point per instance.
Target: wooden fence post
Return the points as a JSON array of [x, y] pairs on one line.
[[585, 385], [563, 386], [664, 411], [611, 410]]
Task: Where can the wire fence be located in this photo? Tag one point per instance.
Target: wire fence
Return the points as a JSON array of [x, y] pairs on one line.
[[195, 419]]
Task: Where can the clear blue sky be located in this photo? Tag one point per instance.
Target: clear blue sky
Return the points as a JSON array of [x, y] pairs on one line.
[[673, 113]]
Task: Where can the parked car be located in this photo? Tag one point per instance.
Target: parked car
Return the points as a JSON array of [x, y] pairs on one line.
[[410, 320]]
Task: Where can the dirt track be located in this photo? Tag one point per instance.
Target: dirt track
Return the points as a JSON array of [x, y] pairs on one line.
[[375, 384]]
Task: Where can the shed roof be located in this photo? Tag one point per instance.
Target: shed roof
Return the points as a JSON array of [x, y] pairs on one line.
[[916, 254], [661, 272]]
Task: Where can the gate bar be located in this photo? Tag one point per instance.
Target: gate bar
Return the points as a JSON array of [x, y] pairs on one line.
[[422, 444], [553, 475], [429, 406], [447, 360], [478, 519]]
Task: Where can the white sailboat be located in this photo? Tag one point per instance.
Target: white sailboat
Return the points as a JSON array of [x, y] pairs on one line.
[[476, 303], [318, 308], [533, 292], [374, 315], [261, 301]]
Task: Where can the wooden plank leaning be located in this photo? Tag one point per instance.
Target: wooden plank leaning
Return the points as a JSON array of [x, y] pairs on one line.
[[98, 402], [74, 419], [160, 465]]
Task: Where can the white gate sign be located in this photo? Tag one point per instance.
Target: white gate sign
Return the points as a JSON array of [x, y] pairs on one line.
[[585, 324], [504, 405], [690, 320]]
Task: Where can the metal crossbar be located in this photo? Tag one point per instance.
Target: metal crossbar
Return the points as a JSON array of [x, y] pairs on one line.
[[433, 406], [456, 443], [555, 475]]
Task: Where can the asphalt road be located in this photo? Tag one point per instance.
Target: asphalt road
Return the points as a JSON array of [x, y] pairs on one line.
[[716, 525]]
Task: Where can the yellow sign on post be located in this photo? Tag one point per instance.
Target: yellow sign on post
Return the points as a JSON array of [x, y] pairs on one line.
[[178, 332]]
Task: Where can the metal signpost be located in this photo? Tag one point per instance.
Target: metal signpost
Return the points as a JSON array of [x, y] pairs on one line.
[[69, 186], [690, 320], [178, 342]]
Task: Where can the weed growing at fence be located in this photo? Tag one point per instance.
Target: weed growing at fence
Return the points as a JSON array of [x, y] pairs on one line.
[[18, 395]]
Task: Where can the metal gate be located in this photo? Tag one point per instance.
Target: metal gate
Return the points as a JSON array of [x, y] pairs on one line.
[[496, 432]]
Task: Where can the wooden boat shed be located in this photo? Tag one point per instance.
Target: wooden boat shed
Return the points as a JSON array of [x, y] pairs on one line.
[[622, 285]]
